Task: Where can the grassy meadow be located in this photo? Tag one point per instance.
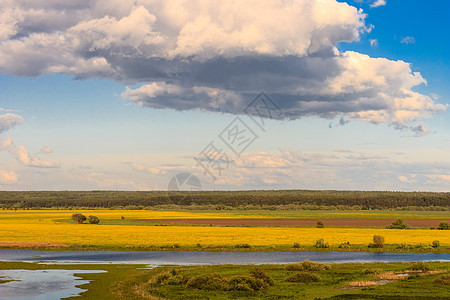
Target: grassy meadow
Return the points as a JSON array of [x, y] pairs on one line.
[[340, 281]]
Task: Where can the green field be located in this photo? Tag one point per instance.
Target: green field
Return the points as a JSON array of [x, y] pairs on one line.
[[133, 282]]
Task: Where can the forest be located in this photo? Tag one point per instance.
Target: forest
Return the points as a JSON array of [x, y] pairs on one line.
[[270, 199]]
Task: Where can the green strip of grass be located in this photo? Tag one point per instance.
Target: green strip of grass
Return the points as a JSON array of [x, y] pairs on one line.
[[134, 282], [333, 283]]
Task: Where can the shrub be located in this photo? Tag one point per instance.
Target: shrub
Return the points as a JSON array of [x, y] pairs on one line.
[[246, 283], [344, 245], [303, 277], [443, 226], [161, 279], [199, 245], [177, 280], [78, 218], [378, 240], [435, 244], [320, 224], [421, 266], [399, 224], [243, 246], [401, 246], [207, 282], [373, 271], [93, 220], [442, 280], [261, 274], [321, 244], [307, 265], [296, 245]]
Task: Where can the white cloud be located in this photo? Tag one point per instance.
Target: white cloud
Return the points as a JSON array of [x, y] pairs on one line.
[[403, 178], [211, 56], [373, 42], [142, 168], [8, 177], [22, 155], [8, 121], [378, 3], [408, 40], [46, 149]]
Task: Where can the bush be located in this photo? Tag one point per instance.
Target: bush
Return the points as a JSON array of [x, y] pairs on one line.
[[161, 279], [435, 244], [207, 282], [78, 218], [243, 246], [344, 245], [399, 224], [443, 226], [246, 283], [321, 244], [378, 240], [93, 220], [373, 271], [177, 280], [320, 224], [307, 265], [442, 280], [261, 274], [303, 277], [296, 245], [421, 266]]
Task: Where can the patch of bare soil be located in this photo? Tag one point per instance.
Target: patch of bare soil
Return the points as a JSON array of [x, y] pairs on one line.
[[296, 222]]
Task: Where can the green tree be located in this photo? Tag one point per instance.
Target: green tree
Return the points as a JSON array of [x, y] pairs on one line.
[[93, 220], [320, 224], [444, 226], [78, 218], [399, 224], [378, 240]]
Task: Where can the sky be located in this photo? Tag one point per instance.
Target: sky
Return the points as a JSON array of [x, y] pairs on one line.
[[243, 95]]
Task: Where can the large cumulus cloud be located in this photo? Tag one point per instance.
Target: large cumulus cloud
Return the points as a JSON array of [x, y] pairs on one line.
[[216, 56]]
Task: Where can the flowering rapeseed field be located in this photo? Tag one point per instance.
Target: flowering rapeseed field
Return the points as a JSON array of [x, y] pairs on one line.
[[47, 226]]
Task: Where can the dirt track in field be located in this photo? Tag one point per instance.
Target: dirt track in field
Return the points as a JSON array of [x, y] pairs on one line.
[[297, 222]]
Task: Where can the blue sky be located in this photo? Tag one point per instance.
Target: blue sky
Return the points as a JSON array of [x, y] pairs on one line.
[[125, 95]]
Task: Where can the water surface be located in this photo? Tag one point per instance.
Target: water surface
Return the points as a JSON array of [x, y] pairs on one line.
[[155, 258], [41, 284]]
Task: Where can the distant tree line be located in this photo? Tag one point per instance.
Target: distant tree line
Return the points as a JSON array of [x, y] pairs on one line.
[[307, 199]]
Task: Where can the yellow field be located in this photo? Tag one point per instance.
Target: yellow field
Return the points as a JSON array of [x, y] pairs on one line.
[[40, 226]]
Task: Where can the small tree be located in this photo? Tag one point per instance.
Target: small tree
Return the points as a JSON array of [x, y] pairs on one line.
[[321, 244], [443, 226], [378, 240], [78, 218], [320, 224], [399, 224], [93, 220], [435, 244]]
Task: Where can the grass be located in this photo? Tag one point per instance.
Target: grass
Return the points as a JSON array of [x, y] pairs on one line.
[[114, 233], [134, 282], [334, 283]]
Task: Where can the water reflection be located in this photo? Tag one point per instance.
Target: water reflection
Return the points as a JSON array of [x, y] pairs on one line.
[[41, 284]]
